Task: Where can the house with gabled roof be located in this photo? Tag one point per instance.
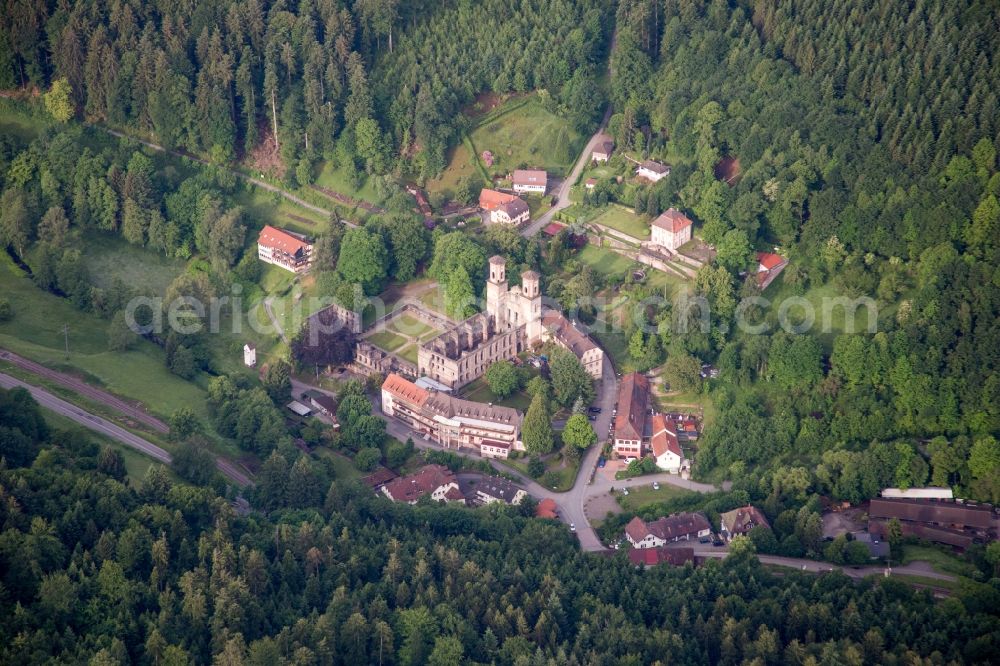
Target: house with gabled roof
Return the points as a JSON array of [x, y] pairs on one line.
[[530, 181], [676, 527], [285, 249], [436, 481], [633, 402], [493, 430], [666, 448], [740, 521], [652, 171], [603, 149]]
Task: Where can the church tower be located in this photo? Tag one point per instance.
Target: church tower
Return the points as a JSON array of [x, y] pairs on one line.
[[496, 291], [532, 306]]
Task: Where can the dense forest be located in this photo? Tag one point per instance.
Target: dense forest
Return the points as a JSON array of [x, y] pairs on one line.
[[865, 139], [95, 568], [360, 83]]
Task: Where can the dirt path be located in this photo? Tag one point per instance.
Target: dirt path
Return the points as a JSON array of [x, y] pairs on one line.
[[239, 174], [133, 410]]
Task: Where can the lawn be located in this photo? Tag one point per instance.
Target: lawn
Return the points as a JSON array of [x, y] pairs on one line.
[[625, 221], [264, 207], [410, 353], [943, 562], [826, 326], [387, 340], [479, 391], [528, 135], [564, 477], [604, 261], [642, 496], [460, 166], [409, 325], [16, 121], [339, 181], [343, 467], [36, 332], [109, 257]]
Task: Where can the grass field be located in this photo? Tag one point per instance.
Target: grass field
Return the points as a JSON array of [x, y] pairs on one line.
[[269, 208], [942, 561], [625, 221], [530, 135], [338, 181], [460, 166], [517, 133], [479, 391], [387, 340], [831, 319], [643, 496], [605, 261], [36, 333], [410, 325], [410, 353], [108, 257]]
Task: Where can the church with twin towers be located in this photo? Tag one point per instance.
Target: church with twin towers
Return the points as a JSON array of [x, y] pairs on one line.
[[514, 321]]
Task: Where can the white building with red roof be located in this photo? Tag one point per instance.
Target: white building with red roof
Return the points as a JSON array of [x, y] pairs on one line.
[[666, 449], [769, 266], [285, 249], [677, 527], [531, 181], [437, 481], [493, 430], [671, 229]]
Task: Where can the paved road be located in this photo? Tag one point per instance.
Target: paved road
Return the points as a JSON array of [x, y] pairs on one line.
[[109, 429], [923, 569], [134, 411], [562, 193]]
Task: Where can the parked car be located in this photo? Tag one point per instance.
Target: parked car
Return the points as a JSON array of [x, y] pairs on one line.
[[704, 540], [601, 462], [591, 417], [718, 543], [595, 410], [630, 460], [624, 491], [656, 485], [572, 527]]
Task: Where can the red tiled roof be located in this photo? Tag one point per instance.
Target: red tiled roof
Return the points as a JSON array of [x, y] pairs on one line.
[[633, 397], [530, 177], [280, 240], [636, 529], [576, 341], [664, 437], [425, 481], [672, 220], [553, 228], [546, 509], [652, 556], [405, 389], [769, 261], [491, 199], [591, 181]]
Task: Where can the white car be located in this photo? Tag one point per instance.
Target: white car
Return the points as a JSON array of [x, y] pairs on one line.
[[624, 491], [656, 485], [572, 527], [630, 460]]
